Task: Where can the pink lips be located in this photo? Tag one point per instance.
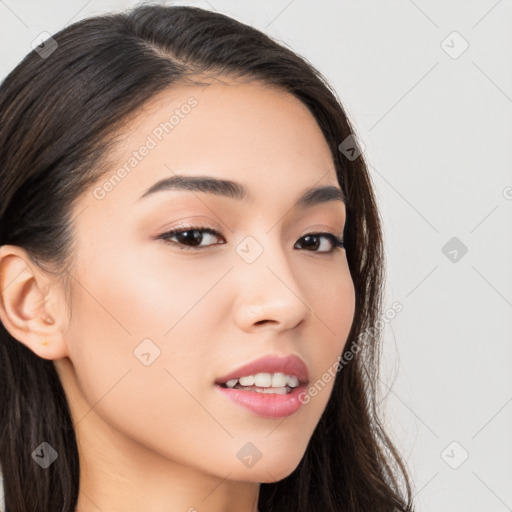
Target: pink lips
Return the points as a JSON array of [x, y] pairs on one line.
[[268, 405]]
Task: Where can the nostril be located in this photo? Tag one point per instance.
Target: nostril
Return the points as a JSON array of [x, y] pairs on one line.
[[262, 322]]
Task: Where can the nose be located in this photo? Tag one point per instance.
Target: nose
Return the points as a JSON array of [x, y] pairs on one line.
[[268, 291]]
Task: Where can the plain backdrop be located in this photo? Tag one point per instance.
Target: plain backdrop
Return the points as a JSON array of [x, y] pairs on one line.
[[428, 87]]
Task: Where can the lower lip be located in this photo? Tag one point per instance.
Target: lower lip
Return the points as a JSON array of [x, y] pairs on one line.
[[268, 405]]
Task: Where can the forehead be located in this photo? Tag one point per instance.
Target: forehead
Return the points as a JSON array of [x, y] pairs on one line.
[[247, 132]]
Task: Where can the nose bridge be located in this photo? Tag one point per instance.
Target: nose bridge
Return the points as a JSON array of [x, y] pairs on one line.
[[267, 287]]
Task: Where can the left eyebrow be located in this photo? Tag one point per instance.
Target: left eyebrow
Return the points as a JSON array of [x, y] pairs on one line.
[[235, 190]]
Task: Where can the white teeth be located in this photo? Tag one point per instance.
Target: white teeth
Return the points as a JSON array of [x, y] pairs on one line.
[[273, 381], [247, 381], [231, 383], [279, 380], [277, 391], [293, 381], [263, 380]]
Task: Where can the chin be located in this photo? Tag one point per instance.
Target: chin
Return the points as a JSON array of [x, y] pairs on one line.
[[266, 473]]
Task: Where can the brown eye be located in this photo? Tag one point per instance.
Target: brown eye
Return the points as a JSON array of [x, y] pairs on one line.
[[189, 237], [313, 240]]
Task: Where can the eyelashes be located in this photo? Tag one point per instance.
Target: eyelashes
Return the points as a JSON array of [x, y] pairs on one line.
[[195, 235]]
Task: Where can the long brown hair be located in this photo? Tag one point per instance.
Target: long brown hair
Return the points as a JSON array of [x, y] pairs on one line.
[[58, 117]]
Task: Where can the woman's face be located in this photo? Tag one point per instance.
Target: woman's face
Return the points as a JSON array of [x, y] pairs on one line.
[[156, 323]]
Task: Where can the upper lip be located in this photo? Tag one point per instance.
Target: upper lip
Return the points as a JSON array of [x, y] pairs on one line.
[[290, 365]]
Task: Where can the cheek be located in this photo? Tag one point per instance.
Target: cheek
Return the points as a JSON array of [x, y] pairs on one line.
[[332, 301], [139, 344], [133, 315], [150, 294], [141, 383]]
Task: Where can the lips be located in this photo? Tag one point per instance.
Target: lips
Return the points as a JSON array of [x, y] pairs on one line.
[[290, 365]]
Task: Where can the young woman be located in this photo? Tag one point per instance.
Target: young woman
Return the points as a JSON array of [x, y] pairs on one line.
[[191, 271]]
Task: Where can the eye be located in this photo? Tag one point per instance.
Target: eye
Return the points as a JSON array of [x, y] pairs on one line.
[[190, 238], [312, 240], [193, 235]]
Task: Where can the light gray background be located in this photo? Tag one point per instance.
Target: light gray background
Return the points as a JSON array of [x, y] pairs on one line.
[[437, 127]]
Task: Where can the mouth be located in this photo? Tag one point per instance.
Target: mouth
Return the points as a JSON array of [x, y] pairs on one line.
[[270, 386]]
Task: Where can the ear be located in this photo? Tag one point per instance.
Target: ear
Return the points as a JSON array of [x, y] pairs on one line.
[[32, 304]]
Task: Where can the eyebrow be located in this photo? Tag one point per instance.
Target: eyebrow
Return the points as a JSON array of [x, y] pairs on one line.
[[235, 190]]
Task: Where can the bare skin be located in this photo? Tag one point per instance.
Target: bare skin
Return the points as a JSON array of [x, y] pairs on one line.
[[160, 437]]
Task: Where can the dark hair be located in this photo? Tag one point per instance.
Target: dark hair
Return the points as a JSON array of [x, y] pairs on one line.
[[58, 118]]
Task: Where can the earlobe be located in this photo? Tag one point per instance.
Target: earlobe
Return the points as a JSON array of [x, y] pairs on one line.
[[29, 305]]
